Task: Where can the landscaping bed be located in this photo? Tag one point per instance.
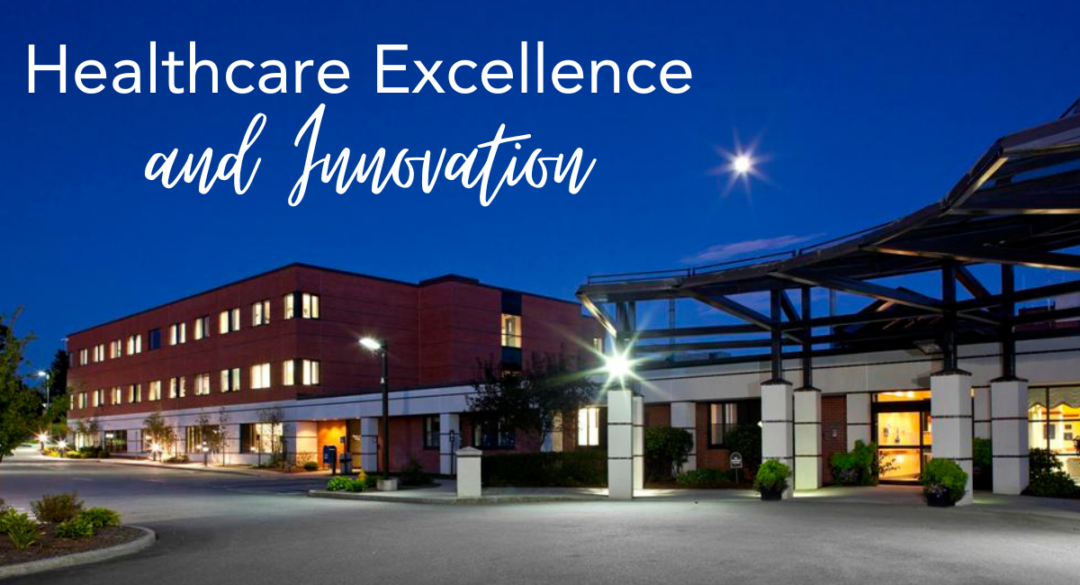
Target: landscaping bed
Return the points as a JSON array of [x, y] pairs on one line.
[[50, 545]]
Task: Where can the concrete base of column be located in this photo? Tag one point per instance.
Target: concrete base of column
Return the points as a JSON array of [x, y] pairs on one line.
[[858, 419], [807, 439], [1008, 408], [777, 430], [449, 427], [950, 408], [684, 416], [620, 444], [369, 445]]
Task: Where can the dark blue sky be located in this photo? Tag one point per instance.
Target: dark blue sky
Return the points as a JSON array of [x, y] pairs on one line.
[[866, 111]]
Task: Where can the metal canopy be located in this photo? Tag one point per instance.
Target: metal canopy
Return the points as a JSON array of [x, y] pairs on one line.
[[1019, 205]]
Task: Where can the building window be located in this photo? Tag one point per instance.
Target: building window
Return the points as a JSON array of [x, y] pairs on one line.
[[588, 427], [134, 344], [202, 327], [202, 384], [99, 353], [176, 388], [193, 440], [431, 432], [511, 331], [493, 436], [230, 380], [116, 349], [99, 398], [82, 400], [309, 305], [116, 396], [260, 313], [724, 416], [134, 393], [1053, 424], [154, 393], [116, 441], [259, 437], [153, 339], [288, 372], [260, 376], [598, 345], [310, 369], [229, 321], [83, 355], [177, 333]]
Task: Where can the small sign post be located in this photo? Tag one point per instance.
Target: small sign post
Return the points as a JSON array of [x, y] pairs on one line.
[[736, 464]]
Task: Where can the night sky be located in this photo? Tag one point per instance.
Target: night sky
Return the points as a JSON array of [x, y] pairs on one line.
[[862, 111]]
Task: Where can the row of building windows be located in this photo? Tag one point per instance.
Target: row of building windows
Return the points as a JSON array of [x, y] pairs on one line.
[[296, 305], [293, 372]]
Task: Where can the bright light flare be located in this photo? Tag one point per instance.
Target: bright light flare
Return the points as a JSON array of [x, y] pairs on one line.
[[618, 366], [62, 444], [739, 165], [371, 343], [742, 164], [43, 437]]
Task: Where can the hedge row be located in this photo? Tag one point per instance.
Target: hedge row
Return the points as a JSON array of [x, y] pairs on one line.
[[578, 468]]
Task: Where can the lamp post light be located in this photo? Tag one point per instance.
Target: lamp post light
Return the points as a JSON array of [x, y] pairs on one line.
[[379, 347], [62, 445], [205, 454], [48, 393], [43, 438]]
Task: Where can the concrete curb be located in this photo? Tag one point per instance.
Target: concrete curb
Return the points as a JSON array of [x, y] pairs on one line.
[[84, 558], [453, 501]]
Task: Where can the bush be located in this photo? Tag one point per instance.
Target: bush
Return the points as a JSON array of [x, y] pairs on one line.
[[413, 474], [101, 517], [90, 452], [57, 508], [311, 466], [982, 460], [341, 483], [578, 468], [745, 439], [666, 451], [772, 477], [21, 530], [860, 466], [706, 478], [176, 459], [1047, 476], [3, 507], [80, 527], [944, 477]]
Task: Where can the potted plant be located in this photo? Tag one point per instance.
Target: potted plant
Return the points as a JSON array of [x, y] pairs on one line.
[[944, 483], [771, 479]]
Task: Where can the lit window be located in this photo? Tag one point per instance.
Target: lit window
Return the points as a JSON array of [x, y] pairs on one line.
[[260, 376], [98, 397], [511, 330], [177, 333], [83, 357], [230, 380], [229, 321], [311, 306], [82, 399], [598, 345], [134, 344], [290, 305], [202, 327], [588, 427], [99, 353], [288, 373], [155, 391], [202, 384], [135, 393], [116, 349], [117, 396], [311, 372], [260, 313], [176, 388], [431, 432]]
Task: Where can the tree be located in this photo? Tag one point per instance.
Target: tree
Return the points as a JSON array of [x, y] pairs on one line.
[[58, 377], [272, 418], [535, 400], [19, 404], [158, 433], [218, 438], [666, 451]]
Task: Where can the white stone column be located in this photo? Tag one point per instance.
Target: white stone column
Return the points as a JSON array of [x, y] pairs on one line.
[[981, 418], [469, 483], [620, 444], [777, 429], [1008, 407], [807, 439], [858, 419], [684, 416], [950, 409], [639, 442], [369, 445], [448, 423]]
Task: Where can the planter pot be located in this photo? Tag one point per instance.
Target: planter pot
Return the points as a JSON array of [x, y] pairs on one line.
[[939, 501], [771, 495]]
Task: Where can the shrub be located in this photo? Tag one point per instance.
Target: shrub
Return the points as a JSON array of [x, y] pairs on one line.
[[745, 439], [1047, 476], [57, 508], [79, 527], [341, 483], [369, 482], [100, 517], [860, 466], [578, 468], [666, 451], [176, 459], [706, 478], [944, 477], [310, 466], [3, 507], [21, 530], [982, 460], [413, 474], [772, 476]]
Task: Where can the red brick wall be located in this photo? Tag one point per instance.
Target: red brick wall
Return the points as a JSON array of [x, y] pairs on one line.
[[833, 430], [657, 415]]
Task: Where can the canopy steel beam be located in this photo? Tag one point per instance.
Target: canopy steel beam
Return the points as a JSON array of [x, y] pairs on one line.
[[866, 289], [987, 255], [738, 310]]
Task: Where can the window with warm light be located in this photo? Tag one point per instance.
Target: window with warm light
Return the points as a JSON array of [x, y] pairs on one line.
[[99, 353], [83, 355], [177, 333], [82, 399], [230, 380], [310, 370], [288, 372], [202, 385], [588, 427], [229, 321], [154, 393], [511, 330], [98, 398], [134, 344], [134, 393], [116, 396], [307, 303], [260, 313], [202, 327], [260, 376], [116, 349], [176, 387]]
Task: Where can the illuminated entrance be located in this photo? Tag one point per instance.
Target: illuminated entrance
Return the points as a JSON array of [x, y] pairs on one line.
[[902, 432]]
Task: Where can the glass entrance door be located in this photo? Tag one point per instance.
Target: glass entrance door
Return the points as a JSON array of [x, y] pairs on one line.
[[903, 434]]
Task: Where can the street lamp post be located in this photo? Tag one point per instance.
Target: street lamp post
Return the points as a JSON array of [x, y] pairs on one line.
[[48, 392], [379, 347]]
